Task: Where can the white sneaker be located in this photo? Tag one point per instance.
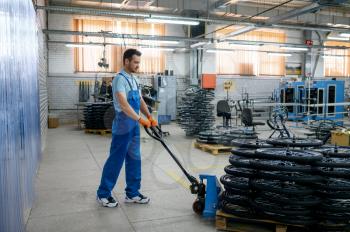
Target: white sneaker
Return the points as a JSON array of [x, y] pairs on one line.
[[108, 202], [140, 199]]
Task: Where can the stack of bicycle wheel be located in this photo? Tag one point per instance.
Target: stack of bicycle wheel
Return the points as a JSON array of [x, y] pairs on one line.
[[334, 211], [99, 115], [196, 111], [277, 182]]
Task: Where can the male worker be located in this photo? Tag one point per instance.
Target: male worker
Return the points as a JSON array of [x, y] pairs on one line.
[[125, 144]]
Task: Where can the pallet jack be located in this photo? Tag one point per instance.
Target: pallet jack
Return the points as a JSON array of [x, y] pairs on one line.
[[207, 188]]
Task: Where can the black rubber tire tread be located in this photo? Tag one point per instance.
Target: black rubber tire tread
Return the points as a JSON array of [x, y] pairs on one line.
[[240, 136], [307, 201], [244, 152], [240, 162], [329, 194], [334, 162], [334, 172], [235, 182], [235, 199], [262, 205], [235, 191], [250, 143], [277, 165], [324, 215], [237, 210], [275, 186], [290, 176], [298, 156], [334, 184], [336, 151], [207, 141], [295, 142], [240, 172], [284, 219], [337, 206]]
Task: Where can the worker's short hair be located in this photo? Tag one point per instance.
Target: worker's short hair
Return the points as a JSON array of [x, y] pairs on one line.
[[129, 53]]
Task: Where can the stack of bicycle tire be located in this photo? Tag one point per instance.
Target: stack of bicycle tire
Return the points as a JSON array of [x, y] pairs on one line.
[[99, 116], [334, 211], [288, 181], [195, 114]]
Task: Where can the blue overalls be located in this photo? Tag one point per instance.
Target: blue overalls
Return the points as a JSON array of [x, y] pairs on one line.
[[125, 146]]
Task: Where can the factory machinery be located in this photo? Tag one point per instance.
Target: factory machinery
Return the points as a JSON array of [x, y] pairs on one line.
[[313, 100]]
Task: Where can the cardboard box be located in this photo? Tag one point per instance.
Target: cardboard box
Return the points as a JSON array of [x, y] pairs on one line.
[[53, 122], [340, 138], [208, 81]]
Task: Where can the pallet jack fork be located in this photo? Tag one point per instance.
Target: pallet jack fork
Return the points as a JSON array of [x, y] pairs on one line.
[[207, 194]]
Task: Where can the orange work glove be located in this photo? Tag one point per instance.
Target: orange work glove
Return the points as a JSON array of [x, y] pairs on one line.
[[144, 122], [152, 120]]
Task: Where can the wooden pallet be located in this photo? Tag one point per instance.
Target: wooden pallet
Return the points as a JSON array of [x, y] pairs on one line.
[[98, 131], [214, 149], [228, 222]]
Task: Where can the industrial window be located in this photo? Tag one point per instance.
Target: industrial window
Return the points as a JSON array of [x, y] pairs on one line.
[[337, 61], [250, 59], [86, 58]]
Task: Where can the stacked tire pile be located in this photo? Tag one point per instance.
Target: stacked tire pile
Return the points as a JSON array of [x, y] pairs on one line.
[[288, 181], [196, 111], [99, 116], [334, 211]]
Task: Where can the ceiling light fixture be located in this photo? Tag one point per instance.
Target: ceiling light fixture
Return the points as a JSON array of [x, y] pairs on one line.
[[345, 35], [219, 51], [199, 44], [337, 38], [158, 49], [333, 56], [161, 41], [73, 45], [172, 21], [294, 48], [278, 54]]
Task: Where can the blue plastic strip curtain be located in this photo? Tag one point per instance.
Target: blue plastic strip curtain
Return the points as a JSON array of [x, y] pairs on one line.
[[19, 112]]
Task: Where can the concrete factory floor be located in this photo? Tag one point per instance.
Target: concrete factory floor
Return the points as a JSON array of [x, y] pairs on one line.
[[70, 171]]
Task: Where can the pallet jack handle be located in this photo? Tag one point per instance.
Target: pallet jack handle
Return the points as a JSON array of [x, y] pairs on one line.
[[156, 133]]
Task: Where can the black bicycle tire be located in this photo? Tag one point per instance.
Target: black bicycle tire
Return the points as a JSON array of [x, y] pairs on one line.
[[250, 143], [333, 217], [240, 172], [235, 182], [334, 172], [333, 162], [237, 210], [334, 184], [330, 194], [294, 142], [276, 165], [334, 208], [240, 162], [298, 156], [235, 199], [297, 178], [244, 152], [284, 219], [266, 185], [278, 209], [235, 191], [308, 201]]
